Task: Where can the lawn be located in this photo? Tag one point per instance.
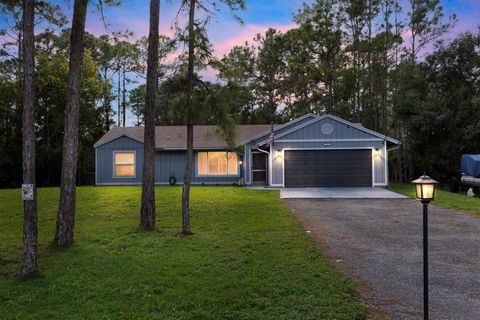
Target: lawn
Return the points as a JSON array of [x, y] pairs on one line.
[[248, 259], [443, 198]]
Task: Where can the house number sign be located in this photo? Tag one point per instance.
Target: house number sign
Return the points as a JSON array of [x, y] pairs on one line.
[[27, 192]]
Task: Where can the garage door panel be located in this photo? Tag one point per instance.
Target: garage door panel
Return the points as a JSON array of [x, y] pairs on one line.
[[328, 168]]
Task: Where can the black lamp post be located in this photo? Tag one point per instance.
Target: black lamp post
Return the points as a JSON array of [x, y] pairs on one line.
[[425, 191]]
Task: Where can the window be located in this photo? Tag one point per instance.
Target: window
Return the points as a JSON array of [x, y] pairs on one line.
[[217, 163], [124, 164]]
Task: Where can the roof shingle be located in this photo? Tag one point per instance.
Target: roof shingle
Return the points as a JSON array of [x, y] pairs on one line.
[[175, 137]]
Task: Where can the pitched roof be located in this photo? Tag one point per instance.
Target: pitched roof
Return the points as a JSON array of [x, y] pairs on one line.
[[357, 126], [175, 137]]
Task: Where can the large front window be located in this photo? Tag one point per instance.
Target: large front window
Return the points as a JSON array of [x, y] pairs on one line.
[[217, 163], [124, 164]]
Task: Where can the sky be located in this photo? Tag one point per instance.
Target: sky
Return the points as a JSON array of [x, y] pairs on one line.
[[259, 15], [224, 31]]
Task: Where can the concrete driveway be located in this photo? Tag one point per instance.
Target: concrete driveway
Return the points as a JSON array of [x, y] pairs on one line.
[[339, 193], [379, 243]]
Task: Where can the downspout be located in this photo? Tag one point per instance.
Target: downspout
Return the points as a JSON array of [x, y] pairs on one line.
[[394, 148], [263, 151]]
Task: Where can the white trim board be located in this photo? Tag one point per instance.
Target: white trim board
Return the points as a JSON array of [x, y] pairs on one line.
[[385, 151], [279, 127], [114, 176], [348, 123], [374, 184], [290, 131], [208, 175], [330, 140], [96, 167], [96, 145], [178, 183], [270, 156]]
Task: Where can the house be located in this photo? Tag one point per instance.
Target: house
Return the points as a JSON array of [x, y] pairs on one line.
[[310, 151]]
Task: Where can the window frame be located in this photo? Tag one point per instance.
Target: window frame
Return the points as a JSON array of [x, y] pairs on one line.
[[217, 175], [134, 164]]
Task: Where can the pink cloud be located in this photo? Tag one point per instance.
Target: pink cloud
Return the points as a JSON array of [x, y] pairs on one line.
[[246, 33], [237, 35], [209, 74]]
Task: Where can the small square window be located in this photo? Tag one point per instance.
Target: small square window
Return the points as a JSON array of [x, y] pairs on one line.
[[124, 164]]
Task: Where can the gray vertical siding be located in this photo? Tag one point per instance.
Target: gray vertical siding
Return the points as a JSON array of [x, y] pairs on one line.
[[172, 163], [380, 166], [167, 164], [104, 161], [310, 136], [304, 134], [277, 167], [340, 131], [285, 127]]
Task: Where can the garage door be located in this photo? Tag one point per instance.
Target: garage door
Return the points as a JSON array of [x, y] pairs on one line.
[[328, 168]]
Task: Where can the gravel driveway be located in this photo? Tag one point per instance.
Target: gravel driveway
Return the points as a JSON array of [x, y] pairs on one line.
[[379, 242]]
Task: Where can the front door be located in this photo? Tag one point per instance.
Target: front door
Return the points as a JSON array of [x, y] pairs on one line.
[[259, 168]]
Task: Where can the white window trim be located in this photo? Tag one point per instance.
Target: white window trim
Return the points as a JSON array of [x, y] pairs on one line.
[[134, 164], [217, 175]]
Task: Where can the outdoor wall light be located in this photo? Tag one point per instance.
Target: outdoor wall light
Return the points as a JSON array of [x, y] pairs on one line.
[[425, 192], [240, 162]]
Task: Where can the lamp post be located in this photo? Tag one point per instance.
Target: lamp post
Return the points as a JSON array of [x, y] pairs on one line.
[[425, 192]]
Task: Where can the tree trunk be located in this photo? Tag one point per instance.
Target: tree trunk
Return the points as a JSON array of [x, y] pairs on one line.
[[187, 181], [66, 210], [30, 251], [189, 160], [371, 102], [119, 103], [412, 23], [386, 79], [106, 103], [147, 211], [124, 103]]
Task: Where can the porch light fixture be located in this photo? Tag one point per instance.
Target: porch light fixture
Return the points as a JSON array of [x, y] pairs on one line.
[[425, 192]]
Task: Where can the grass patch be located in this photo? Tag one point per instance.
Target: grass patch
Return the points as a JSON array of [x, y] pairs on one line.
[[443, 198], [248, 259]]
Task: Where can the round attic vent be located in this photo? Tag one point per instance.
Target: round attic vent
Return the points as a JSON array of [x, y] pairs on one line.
[[327, 128]]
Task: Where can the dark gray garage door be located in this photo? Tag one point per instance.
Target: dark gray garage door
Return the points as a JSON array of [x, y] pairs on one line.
[[328, 168]]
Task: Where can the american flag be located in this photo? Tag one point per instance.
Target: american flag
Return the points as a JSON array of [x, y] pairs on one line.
[[270, 140]]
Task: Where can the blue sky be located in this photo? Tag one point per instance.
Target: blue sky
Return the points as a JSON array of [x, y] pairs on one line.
[[224, 31]]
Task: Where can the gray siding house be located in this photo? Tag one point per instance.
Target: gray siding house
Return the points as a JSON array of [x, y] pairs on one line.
[[310, 151]]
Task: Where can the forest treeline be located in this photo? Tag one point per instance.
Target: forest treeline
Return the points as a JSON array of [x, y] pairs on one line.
[[376, 62]]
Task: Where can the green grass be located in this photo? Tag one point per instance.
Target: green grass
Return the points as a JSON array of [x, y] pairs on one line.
[[248, 259], [443, 198]]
